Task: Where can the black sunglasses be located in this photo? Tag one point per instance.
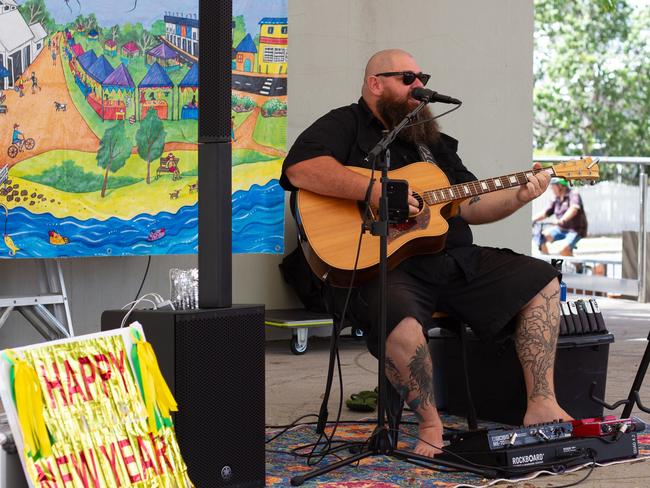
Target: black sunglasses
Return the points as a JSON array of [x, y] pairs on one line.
[[408, 77]]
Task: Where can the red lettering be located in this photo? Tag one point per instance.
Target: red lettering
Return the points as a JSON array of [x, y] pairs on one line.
[[73, 384], [45, 480], [160, 452], [119, 364], [83, 470], [104, 374], [111, 461], [54, 384], [65, 477], [87, 378], [145, 455], [128, 460]]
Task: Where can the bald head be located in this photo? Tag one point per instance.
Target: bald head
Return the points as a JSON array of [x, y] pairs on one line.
[[386, 60], [388, 87]]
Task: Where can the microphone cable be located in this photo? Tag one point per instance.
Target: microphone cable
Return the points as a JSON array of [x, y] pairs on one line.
[[424, 121]]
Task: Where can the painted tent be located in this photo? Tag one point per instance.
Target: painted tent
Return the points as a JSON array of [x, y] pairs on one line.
[[154, 91], [87, 59], [81, 78], [188, 90], [163, 54], [78, 50], [120, 94], [130, 49]]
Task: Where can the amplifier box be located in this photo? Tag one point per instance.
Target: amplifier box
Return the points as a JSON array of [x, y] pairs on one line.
[[497, 381], [213, 360]]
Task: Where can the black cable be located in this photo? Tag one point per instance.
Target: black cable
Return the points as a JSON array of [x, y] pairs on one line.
[[424, 121], [146, 271], [591, 470], [335, 352], [370, 421], [288, 427]]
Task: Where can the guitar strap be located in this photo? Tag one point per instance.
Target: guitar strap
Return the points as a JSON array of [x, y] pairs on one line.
[[425, 154]]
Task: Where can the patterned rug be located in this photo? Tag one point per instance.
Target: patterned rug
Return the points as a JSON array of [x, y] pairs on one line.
[[374, 471]]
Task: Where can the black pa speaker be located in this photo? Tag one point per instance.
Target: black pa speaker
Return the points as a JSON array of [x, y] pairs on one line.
[[215, 155], [215, 57], [213, 360]]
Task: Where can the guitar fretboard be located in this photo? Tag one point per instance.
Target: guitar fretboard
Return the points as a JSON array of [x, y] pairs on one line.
[[478, 187]]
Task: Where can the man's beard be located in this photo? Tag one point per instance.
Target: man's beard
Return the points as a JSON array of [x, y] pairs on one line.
[[423, 130]]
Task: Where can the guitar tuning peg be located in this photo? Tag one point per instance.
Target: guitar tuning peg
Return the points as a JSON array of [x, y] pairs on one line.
[[592, 182]]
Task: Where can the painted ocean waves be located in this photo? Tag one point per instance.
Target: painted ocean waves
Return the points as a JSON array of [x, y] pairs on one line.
[[257, 214]]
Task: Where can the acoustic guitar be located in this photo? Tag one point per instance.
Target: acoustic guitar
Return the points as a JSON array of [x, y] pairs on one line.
[[330, 227]]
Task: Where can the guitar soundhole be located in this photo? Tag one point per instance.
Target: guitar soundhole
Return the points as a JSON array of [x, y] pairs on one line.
[[419, 221]]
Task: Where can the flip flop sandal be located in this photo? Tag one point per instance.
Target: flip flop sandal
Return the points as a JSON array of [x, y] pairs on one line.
[[364, 401]]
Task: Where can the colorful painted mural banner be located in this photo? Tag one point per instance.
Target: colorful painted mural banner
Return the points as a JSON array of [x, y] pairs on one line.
[[99, 105], [92, 412]]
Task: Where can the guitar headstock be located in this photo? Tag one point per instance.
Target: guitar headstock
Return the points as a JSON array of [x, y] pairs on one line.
[[585, 169]]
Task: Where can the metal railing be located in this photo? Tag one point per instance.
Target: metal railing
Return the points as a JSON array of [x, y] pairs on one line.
[[643, 185]]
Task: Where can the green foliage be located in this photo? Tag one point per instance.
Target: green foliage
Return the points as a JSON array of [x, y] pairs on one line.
[[244, 156], [150, 139], [114, 150], [36, 11], [273, 105], [240, 30], [592, 80], [158, 28], [72, 178], [242, 104]]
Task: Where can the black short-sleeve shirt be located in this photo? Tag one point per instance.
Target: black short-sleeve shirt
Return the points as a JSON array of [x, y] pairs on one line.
[[349, 133]]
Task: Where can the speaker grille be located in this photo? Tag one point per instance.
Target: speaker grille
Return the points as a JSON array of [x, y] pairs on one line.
[[215, 48], [219, 378]]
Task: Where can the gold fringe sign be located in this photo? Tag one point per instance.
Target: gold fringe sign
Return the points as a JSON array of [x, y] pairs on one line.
[[92, 412]]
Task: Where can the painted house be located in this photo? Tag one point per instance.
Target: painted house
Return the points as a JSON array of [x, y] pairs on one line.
[[245, 55], [274, 37], [19, 43], [183, 32]]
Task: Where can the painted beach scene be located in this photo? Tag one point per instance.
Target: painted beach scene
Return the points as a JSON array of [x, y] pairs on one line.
[[99, 107]]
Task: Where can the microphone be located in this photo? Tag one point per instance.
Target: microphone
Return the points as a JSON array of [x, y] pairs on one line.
[[429, 96]]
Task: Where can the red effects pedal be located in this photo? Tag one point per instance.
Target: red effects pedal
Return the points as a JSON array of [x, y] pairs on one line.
[[602, 426]]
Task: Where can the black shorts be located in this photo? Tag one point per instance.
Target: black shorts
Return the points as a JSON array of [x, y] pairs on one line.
[[503, 283]]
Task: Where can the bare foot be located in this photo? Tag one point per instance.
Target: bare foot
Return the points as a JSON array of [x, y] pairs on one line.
[[543, 411], [430, 435]]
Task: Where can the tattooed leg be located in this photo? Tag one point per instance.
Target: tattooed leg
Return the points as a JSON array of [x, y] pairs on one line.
[[409, 369], [535, 342]]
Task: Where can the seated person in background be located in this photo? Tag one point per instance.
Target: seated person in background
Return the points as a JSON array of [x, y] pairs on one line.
[[571, 220], [498, 292]]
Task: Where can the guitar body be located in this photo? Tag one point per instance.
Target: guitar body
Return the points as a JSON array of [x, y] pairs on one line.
[[331, 227]]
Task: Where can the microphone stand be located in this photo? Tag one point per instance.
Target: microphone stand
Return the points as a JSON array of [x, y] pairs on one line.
[[380, 442]]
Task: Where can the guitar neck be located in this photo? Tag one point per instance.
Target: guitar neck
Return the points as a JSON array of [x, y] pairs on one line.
[[470, 189]]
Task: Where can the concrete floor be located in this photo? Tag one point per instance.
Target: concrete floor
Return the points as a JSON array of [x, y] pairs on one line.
[[295, 385]]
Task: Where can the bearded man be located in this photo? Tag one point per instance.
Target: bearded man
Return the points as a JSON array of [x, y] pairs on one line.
[[497, 292]]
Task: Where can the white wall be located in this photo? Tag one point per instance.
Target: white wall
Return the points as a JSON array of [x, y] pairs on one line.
[[480, 52]]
